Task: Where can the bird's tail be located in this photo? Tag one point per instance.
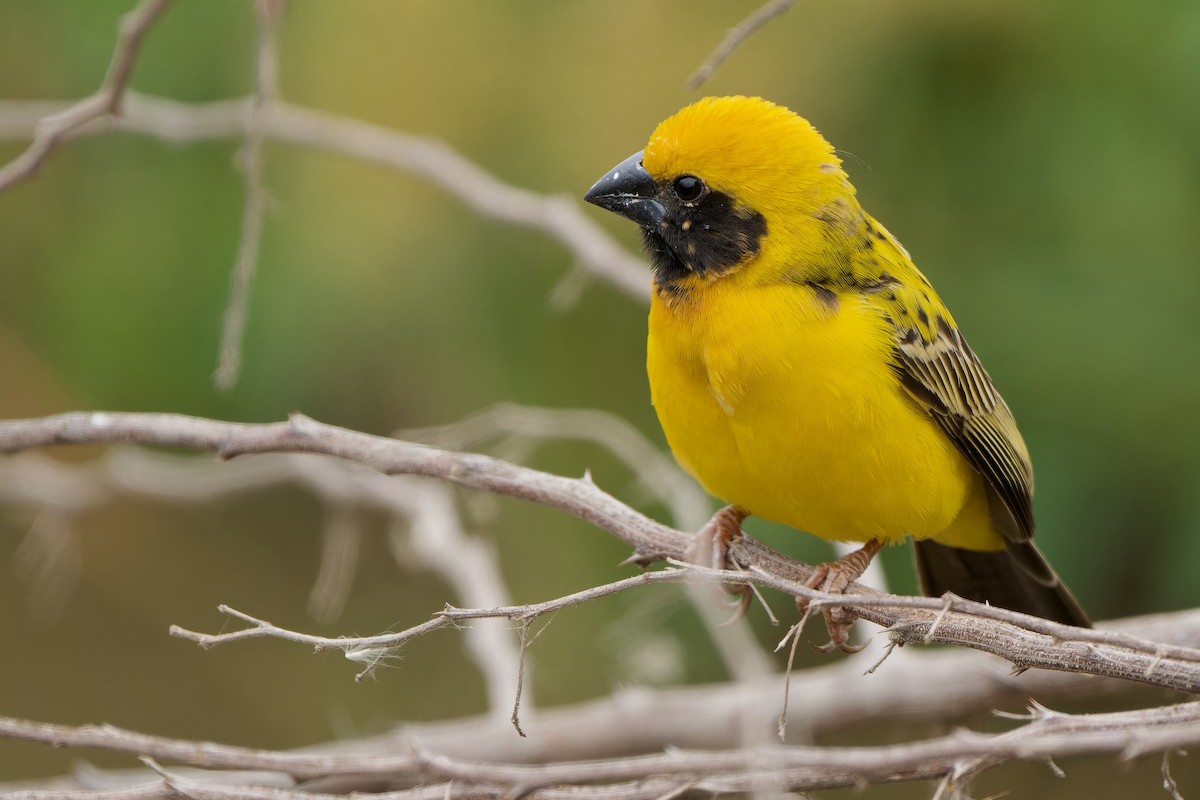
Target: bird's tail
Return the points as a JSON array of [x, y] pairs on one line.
[[1017, 578]]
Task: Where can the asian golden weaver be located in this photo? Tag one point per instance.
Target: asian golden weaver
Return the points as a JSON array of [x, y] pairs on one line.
[[805, 371]]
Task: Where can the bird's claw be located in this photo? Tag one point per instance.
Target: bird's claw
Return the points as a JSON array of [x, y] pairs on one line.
[[710, 548], [833, 578]]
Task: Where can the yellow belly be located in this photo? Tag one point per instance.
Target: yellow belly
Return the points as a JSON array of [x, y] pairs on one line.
[[781, 405]]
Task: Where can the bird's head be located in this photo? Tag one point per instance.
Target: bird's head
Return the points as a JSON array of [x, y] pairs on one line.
[[729, 185]]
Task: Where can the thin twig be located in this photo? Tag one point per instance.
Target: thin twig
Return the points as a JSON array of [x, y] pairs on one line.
[[107, 100], [1169, 785], [743, 31], [250, 160], [793, 634], [515, 718], [360, 647], [887, 651]]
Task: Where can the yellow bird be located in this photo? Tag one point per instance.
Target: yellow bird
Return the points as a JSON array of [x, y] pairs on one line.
[[805, 371]]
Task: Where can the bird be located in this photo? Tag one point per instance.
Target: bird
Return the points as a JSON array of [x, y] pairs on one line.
[[805, 371]]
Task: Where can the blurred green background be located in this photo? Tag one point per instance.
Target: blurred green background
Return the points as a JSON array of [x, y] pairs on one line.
[[1040, 161]]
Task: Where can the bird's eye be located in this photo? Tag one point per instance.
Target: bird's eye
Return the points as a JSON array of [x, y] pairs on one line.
[[688, 188]]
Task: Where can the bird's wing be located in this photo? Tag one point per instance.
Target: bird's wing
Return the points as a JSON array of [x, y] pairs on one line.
[[945, 377]]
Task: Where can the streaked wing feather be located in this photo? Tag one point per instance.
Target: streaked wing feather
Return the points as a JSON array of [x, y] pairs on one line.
[[946, 378]]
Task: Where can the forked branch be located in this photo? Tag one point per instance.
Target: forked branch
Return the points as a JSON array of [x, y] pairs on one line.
[[105, 102]]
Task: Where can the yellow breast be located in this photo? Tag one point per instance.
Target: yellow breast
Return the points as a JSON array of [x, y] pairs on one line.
[[786, 404]]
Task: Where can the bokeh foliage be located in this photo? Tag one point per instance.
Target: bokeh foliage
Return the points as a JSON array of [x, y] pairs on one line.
[[1039, 160]]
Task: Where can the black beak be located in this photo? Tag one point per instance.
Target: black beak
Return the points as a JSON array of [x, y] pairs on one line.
[[629, 190]]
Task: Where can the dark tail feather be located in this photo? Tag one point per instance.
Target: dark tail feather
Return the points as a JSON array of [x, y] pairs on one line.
[[1017, 578]]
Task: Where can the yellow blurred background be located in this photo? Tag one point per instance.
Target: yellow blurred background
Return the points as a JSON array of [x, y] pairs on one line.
[[1039, 161]]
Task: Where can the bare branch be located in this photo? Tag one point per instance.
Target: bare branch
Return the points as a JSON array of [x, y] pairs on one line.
[[962, 754], [107, 100], [559, 217], [957, 757], [744, 30], [198, 754], [301, 434], [1026, 641], [145, 791], [266, 88]]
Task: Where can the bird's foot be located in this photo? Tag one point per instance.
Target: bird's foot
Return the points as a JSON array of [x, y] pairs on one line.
[[833, 578], [710, 548]]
